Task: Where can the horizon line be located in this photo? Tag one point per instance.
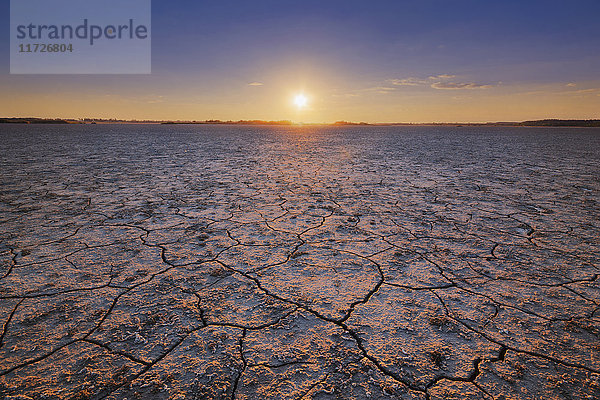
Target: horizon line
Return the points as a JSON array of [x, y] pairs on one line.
[[533, 122]]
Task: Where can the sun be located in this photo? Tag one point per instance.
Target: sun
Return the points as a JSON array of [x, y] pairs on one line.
[[300, 101]]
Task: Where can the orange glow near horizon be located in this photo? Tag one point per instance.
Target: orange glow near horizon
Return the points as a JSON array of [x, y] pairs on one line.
[[275, 100]]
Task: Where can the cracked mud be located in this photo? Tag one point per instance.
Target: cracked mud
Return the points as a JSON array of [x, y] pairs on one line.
[[299, 263]]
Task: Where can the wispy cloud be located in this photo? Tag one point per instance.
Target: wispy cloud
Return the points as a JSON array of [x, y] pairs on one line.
[[459, 85], [441, 77], [571, 84], [437, 82], [256, 84], [582, 91], [381, 89], [374, 89], [408, 82], [559, 90], [440, 82]]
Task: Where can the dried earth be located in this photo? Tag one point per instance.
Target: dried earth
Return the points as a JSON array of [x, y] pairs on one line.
[[199, 262]]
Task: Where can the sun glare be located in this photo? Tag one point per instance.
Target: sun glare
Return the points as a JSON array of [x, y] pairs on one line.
[[300, 101]]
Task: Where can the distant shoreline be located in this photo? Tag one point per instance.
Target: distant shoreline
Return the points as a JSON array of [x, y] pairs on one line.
[[573, 123]]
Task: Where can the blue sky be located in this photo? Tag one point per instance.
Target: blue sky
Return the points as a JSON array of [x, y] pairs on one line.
[[378, 60], [379, 36]]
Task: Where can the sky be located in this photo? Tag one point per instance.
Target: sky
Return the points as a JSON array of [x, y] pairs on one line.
[[371, 61]]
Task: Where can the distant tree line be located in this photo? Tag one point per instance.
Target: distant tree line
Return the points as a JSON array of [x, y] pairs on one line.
[[590, 123], [33, 121]]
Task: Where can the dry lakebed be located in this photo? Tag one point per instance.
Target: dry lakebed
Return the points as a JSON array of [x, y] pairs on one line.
[[250, 262]]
